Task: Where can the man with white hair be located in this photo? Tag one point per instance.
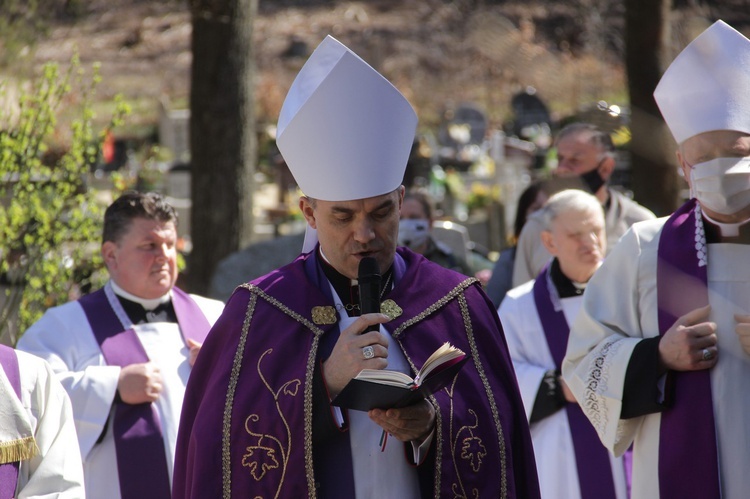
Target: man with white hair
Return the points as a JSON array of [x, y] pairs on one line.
[[570, 459], [586, 157], [258, 419], [659, 355]]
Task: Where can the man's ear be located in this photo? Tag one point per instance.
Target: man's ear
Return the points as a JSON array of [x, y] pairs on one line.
[[549, 242], [684, 166], [306, 207], [607, 167], [109, 253]]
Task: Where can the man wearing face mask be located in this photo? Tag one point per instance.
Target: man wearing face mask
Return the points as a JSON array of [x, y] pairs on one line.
[[587, 154], [659, 355], [415, 232]]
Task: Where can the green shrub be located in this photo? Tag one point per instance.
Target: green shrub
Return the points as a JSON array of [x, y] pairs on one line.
[[50, 220]]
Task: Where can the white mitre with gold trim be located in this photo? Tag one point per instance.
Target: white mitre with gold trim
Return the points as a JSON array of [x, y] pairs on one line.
[[344, 130], [707, 87]]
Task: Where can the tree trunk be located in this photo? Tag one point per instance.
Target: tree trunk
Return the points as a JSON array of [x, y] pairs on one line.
[[656, 183], [222, 134]]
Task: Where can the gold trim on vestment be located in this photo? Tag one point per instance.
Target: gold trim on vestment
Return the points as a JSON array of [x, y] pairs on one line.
[[464, 443], [18, 450], [469, 447], [435, 306], [490, 396], [226, 461], [267, 445]]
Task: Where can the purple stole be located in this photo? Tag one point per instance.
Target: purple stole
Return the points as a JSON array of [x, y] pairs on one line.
[[592, 458], [9, 471], [688, 460], [141, 459]]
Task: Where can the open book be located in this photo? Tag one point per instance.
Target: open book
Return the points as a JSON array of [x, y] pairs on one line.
[[383, 389]]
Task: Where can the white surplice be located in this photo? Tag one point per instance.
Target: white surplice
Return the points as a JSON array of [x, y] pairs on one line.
[[553, 442], [44, 407], [64, 338], [620, 308]]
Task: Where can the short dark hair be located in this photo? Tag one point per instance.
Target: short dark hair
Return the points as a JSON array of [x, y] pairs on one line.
[[527, 198], [131, 205], [599, 137]]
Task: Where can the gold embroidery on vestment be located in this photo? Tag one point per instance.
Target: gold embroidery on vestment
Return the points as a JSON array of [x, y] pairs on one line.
[[391, 309], [226, 461], [262, 457], [465, 445], [324, 315], [490, 396]]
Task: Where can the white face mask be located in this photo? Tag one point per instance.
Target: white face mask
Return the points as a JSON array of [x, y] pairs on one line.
[[722, 184], [413, 233]]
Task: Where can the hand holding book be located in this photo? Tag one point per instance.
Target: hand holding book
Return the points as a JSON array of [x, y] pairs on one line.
[[384, 389]]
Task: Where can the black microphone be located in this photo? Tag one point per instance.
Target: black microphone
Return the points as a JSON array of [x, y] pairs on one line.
[[368, 277]]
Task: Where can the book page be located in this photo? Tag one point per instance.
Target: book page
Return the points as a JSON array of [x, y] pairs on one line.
[[385, 377], [445, 354]]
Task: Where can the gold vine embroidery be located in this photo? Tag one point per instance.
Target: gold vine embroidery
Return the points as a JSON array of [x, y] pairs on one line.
[[259, 459], [262, 457], [490, 397], [472, 448]]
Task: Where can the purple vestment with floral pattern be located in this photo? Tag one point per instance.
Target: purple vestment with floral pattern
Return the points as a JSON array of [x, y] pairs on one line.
[[247, 419]]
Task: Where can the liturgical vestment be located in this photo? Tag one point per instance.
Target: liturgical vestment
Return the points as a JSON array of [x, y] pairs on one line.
[[248, 424], [621, 310]]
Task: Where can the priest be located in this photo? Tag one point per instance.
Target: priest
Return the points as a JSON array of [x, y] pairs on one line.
[[124, 352], [38, 450], [258, 418], [659, 355], [571, 461], [585, 160]]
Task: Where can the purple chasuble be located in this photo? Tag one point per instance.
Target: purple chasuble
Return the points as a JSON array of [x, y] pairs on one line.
[[247, 419], [592, 460], [688, 457], [9, 471], [141, 458]]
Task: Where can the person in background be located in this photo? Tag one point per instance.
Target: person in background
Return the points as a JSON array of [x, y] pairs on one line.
[[124, 352], [38, 449], [258, 418], [501, 280], [571, 461], [415, 232], [585, 154], [659, 354]]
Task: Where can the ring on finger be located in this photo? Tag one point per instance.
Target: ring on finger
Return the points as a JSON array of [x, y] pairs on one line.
[[368, 352], [707, 354]]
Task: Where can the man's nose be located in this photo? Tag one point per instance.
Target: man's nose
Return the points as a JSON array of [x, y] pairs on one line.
[[161, 251], [364, 232]]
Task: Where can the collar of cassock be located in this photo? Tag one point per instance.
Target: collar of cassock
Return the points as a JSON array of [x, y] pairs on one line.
[[348, 289], [717, 232], [565, 287], [141, 310]]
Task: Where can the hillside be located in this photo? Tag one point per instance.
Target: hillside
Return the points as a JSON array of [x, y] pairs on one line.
[[437, 52]]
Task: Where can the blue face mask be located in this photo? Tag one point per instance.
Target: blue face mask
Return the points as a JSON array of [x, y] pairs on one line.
[[413, 233]]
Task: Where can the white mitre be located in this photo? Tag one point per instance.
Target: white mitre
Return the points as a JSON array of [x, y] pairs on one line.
[[707, 87], [344, 131]]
